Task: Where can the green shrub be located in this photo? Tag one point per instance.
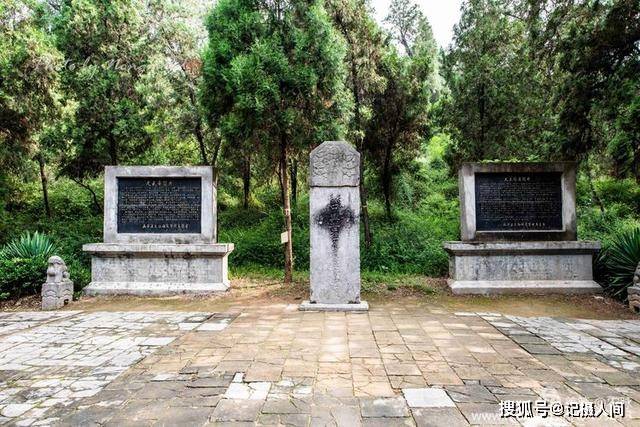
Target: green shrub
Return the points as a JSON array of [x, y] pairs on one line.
[[619, 260], [620, 191], [23, 264], [29, 246], [22, 276], [411, 243], [256, 236]]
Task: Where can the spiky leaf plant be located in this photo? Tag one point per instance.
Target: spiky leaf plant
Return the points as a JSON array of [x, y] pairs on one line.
[[29, 246], [620, 261]]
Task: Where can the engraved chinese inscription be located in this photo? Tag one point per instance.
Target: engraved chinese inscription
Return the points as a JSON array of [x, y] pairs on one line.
[[518, 201], [337, 161], [159, 205]]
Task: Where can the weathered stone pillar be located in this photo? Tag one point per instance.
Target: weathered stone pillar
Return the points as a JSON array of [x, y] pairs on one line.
[[334, 201]]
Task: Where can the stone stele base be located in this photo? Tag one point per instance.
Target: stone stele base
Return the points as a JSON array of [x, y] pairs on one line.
[[56, 295], [564, 267], [633, 295], [309, 306], [157, 269]]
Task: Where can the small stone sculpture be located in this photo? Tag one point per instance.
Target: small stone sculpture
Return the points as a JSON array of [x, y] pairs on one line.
[[57, 291], [633, 292]]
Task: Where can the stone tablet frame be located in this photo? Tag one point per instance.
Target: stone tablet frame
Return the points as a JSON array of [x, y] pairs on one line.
[[466, 183], [208, 199]]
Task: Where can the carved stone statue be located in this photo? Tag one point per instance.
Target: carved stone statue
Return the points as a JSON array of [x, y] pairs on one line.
[[633, 292], [57, 291]]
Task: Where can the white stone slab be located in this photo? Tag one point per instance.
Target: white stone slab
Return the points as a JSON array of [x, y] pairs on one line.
[[250, 391], [427, 398], [212, 327]]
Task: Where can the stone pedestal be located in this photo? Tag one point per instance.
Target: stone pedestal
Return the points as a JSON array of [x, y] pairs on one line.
[[157, 269], [522, 267], [633, 294], [159, 234], [56, 295], [334, 209]]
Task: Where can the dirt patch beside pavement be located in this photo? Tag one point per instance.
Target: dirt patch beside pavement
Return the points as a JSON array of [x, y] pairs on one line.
[[30, 303], [412, 289]]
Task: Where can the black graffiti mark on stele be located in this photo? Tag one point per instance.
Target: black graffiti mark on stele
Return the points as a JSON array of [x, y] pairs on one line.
[[334, 218]]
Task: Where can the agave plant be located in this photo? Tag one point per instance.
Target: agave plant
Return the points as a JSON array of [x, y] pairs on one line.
[[621, 259], [29, 246]]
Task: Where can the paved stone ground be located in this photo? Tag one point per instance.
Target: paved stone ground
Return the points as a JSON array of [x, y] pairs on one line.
[[399, 364]]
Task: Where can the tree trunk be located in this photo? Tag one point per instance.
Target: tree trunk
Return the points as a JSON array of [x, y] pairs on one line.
[[246, 181], [405, 44], [286, 206], [197, 132], [197, 129], [364, 209], [45, 187], [94, 197], [636, 164], [386, 181], [594, 194], [113, 150], [479, 148], [214, 160], [294, 182]]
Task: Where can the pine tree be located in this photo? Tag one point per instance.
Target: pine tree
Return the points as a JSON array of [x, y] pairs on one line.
[[274, 74]]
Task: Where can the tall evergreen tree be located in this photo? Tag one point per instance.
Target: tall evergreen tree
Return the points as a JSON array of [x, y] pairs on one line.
[[280, 69], [29, 89], [596, 61], [496, 108], [400, 119], [107, 48], [365, 48]]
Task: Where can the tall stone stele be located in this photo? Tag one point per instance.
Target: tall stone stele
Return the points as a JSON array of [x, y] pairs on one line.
[[518, 227], [159, 233], [334, 199]]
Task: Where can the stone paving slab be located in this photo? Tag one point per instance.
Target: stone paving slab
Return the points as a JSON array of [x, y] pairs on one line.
[[54, 360], [398, 364], [17, 321]]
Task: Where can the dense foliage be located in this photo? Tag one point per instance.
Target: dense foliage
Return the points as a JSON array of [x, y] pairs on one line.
[[546, 79], [251, 87]]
